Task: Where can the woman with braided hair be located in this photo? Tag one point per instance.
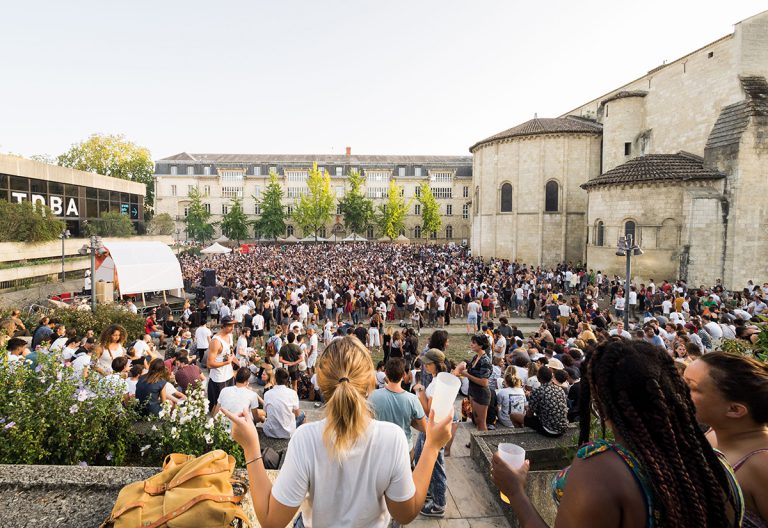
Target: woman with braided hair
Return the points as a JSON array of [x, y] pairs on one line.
[[659, 472], [731, 396]]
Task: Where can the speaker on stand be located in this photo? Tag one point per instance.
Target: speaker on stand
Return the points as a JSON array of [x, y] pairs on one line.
[[209, 278]]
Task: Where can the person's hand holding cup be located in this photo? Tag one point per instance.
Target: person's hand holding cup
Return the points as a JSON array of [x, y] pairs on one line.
[[509, 470]]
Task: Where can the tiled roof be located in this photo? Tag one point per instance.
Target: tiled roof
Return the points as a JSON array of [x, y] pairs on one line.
[[537, 126], [340, 159], [679, 167], [734, 118]]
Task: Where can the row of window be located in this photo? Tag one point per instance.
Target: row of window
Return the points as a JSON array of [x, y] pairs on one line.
[[338, 171], [296, 192], [551, 197]]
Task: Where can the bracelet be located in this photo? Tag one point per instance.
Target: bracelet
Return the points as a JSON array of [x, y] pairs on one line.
[[253, 460]]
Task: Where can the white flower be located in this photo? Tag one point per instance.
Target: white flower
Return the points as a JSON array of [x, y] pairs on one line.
[[174, 433], [154, 428], [209, 423], [161, 414], [144, 449], [208, 438]]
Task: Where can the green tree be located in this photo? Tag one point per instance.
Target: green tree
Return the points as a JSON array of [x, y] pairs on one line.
[[113, 155], [235, 223], [111, 224], [161, 224], [430, 211], [199, 226], [316, 206], [391, 216], [357, 210], [273, 215], [28, 222]]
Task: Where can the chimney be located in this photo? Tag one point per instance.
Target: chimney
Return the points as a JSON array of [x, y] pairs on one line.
[[349, 151]]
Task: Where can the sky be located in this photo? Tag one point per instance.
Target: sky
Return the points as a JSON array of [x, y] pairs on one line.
[[316, 76]]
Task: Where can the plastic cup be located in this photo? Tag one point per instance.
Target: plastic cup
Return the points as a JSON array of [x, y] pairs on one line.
[[514, 455], [446, 388]]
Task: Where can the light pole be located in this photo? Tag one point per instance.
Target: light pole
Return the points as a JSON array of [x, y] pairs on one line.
[[94, 247], [65, 234], [626, 248]]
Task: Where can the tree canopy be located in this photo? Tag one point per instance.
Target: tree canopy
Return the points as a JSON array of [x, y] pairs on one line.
[[28, 222], [430, 211], [112, 224], [113, 155], [235, 222], [161, 224], [391, 215], [315, 207], [199, 227], [271, 224], [356, 209]]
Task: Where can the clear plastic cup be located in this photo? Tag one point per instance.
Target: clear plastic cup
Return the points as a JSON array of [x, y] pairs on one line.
[[514, 455], [446, 388]]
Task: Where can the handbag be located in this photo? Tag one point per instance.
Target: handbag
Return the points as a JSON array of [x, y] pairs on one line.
[[188, 492]]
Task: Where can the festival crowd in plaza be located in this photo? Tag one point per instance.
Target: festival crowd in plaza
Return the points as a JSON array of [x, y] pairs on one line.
[[688, 423]]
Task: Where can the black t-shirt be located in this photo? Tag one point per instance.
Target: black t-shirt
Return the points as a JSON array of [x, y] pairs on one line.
[[400, 300], [290, 352], [361, 333], [170, 327]]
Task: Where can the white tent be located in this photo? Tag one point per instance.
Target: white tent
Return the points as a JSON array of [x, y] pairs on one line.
[[311, 238], [222, 238], [402, 239], [215, 249], [354, 237], [138, 267], [290, 239]]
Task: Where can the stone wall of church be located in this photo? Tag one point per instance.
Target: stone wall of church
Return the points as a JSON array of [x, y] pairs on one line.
[[528, 233], [623, 128]]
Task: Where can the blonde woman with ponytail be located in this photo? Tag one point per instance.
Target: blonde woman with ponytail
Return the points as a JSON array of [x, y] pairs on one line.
[[352, 470]]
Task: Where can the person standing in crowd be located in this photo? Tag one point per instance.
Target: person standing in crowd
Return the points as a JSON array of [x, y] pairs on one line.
[[660, 470], [290, 357], [393, 404], [730, 393], [345, 448], [478, 372], [221, 357], [203, 337]]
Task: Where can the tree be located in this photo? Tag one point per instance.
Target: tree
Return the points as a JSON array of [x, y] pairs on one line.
[[161, 224], [391, 217], [235, 223], [273, 216], [112, 224], [113, 155], [199, 227], [316, 206], [357, 210], [28, 222], [430, 211]]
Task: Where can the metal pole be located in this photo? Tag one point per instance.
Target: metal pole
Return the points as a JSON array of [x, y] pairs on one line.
[[93, 274], [63, 275], [626, 287]]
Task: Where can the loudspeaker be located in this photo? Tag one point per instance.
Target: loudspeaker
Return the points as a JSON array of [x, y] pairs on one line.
[[208, 278]]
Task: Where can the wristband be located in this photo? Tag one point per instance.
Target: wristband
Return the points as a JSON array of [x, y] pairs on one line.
[[253, 460]]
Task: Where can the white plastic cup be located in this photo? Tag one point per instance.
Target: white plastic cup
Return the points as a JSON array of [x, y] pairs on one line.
[[446, 388], [512, 454]]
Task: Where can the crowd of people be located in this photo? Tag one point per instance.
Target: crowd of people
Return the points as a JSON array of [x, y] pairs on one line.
[[296, 323]]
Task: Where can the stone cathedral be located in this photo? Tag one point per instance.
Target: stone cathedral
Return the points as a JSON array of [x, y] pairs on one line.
[[677, 158]]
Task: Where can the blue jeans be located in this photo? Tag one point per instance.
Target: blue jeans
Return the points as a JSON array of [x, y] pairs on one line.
[[438, 484], [300, 418]]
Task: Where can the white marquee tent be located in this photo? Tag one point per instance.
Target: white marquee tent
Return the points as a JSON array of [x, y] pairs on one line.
[[215, 249], [354, 237], [139, 267]]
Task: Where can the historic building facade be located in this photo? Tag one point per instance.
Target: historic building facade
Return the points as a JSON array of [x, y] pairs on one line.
[[683, 168], [221, 177]]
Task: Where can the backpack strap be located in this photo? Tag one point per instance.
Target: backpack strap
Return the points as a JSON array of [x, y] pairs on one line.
[[159, 490], [114, 515], [186, 506]]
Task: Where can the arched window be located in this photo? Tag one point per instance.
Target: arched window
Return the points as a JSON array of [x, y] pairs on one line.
[[506, 198], [402, 232], [417, 232], [448, 231], [321, 232], [369, 233], [629, 230], [552, 197], [289, 230], [599, 233]]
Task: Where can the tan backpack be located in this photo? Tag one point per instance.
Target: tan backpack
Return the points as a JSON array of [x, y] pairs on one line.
[[188, 492]]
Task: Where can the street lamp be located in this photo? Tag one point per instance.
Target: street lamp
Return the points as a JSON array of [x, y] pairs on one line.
[[65, 234], [626, 248], [95, 247]]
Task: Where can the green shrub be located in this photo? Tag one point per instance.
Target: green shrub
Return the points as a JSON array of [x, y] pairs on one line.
[[112, 224], [50, 416], [105, 315], [27, 222]]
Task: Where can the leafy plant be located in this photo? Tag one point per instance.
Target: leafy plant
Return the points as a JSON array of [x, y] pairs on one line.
[[198, 220], [271, 224], [111, 224], [315, 207], [235, 222], [161, 224], [355, 207], [27, 222], [97, 321]]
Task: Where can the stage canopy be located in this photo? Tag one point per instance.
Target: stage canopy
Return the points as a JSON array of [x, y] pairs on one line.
[[138, 267], [215, 249]]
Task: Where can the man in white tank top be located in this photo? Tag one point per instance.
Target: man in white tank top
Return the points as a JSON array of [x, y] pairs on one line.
[[220, 360]]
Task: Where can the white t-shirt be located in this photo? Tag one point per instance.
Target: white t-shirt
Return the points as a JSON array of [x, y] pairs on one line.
[[666, 306], [564, 309], [350, 493], [105, 361], [131, 386], [226, 372], [201, 337], [714, 330], [235, 399], [618, 303], [141, 347], [279, 403], [632, 297], [511, 400], [258, 322], [80, 363]]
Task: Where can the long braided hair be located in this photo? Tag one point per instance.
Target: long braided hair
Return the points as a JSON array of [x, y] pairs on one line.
[[636, 386]]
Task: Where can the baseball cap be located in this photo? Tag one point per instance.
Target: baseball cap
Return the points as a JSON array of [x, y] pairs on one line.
[[555, 363], [433, 355], [227, 320]]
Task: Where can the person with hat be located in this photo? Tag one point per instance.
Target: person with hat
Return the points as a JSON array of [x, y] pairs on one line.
[[220, 361]]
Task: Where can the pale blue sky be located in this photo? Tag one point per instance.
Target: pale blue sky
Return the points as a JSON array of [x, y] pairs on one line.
[[389, 77]]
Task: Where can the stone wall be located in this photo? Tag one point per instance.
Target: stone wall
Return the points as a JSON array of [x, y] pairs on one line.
[[530, 234]]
